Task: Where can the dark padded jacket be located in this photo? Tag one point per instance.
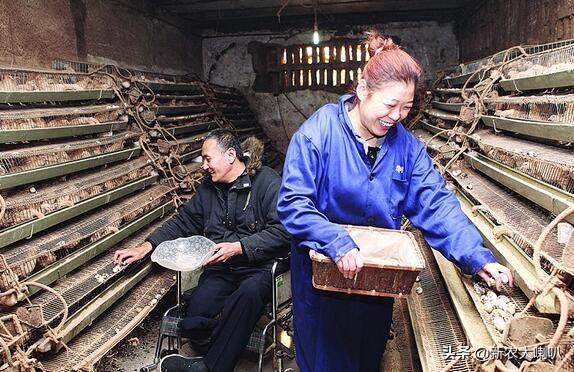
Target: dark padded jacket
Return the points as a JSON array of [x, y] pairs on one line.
[[251, 219]]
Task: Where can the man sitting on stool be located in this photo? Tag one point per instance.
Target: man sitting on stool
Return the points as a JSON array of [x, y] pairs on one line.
[[235, 206]]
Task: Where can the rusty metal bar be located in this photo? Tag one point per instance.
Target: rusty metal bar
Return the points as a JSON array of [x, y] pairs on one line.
[[551, 80], [509, 254], [537, 129], [29, 176], [441, 114], [71, 262], [26, 230], [547, 196]]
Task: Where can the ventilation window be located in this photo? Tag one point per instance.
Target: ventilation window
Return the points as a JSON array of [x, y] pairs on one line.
[[332, 66]]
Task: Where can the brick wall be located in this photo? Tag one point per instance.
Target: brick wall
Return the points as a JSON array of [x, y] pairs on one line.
[[493, 25], [34, 32]]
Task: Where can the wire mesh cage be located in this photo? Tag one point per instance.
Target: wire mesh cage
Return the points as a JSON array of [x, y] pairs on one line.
[[59, 117], [13, 161], [24, 205], [89, 67], [548, 108], [523, 220], [20, 80], [106, 331], [507, 55], [82, 286], [182, 146], [21, 260], [435, 319], [545, 62], [552, 165], [77, 66], [77, 288]]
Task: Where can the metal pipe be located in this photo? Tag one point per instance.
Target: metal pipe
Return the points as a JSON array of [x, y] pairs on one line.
[[537, 247], [563, 317], [58, 296]]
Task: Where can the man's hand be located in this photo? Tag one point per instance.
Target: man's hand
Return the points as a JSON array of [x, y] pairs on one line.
[[127, 256], [223, 252], [500, 274], [350, 264]]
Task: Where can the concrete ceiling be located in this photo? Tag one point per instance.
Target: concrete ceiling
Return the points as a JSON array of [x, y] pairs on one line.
[[235, 15]]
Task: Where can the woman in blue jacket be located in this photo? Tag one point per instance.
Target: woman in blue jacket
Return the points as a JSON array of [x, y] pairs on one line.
[[354, 163]]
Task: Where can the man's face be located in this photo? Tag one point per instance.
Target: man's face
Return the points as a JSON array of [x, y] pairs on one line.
[[216, 162]]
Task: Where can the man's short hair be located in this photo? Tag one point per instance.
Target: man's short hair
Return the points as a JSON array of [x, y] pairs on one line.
[[226, 139]]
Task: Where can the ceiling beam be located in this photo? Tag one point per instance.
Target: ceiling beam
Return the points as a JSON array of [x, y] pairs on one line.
[[332, 22], [262, 13], [307, 5], [162, 14]]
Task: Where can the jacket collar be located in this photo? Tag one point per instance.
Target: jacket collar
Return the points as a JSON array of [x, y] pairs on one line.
[[242, 182], [345, 120]]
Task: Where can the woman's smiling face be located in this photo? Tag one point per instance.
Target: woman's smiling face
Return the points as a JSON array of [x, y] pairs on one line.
[[381, 109]]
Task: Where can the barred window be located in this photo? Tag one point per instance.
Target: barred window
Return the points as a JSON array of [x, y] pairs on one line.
[[330, 66]]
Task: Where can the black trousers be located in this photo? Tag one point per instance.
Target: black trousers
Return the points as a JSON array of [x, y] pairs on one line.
[[222, 311]]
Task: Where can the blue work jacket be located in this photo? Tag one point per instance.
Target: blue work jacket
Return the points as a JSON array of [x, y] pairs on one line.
[[327, 181]]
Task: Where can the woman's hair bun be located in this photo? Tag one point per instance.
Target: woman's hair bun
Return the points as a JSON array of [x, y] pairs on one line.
[[378, 42]]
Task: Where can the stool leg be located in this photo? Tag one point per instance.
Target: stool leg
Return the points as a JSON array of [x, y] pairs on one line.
[[270, 325], [157, 356], [179, 309], [160, 336], [260, 362]]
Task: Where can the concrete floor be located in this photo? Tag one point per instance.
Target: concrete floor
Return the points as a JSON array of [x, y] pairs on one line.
[[137, 350], [131, 356]]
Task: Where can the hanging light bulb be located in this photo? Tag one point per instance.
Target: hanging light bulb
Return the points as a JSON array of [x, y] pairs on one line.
[[316, 38]]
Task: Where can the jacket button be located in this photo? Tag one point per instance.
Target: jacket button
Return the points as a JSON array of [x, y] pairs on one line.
[[371, 177], [252, 226]]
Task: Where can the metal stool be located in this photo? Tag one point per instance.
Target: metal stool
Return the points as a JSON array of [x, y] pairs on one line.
[[168, 329], [279, 314], [262, 340]]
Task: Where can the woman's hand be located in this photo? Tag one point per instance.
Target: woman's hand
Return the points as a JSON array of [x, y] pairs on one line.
[[350, 264], [495, 271]]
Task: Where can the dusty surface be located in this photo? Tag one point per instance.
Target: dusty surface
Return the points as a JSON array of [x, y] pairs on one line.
[[226, 61], [487, 27], [130, 355], [35, 32], [137, 349]]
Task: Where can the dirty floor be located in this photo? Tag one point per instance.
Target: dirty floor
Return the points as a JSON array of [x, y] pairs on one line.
[[137, 350]]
